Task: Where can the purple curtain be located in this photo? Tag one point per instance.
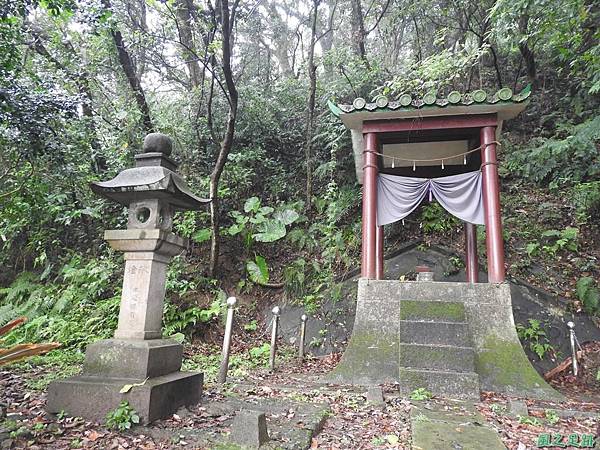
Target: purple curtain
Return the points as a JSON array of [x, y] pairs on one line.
[[460, 195]]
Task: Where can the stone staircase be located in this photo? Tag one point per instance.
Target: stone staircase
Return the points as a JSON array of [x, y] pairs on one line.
[[436, 351]]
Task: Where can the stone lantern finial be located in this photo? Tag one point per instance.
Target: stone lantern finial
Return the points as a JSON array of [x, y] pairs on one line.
[[158, 143]]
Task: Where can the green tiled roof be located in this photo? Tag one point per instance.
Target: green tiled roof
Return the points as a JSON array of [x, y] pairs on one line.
[[407, 101]]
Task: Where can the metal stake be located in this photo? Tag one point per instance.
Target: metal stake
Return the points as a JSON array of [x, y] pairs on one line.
[[231, 301], [572, 338], [276, 312], [302, 336]]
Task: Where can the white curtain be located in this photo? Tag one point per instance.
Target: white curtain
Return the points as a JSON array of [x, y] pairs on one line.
[[461, 195]]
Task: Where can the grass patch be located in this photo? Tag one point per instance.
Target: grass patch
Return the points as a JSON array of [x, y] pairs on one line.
[[240, 363]]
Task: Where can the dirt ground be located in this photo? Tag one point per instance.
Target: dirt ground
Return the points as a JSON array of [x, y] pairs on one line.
[[350, 424]]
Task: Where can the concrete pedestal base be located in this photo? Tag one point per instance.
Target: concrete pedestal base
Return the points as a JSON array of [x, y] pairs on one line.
[[113, 363], [94, 397], [388, 342]]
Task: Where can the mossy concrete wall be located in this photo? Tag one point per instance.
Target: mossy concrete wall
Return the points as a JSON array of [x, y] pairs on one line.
[[373, 351]]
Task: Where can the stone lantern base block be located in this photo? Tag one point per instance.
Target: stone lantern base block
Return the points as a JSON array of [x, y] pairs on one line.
[[113, 363], [93, 397], [132, 358]]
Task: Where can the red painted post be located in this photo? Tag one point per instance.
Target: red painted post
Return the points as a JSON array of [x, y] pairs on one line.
[[369, 207], [379, 268], [491, 203], [471, 252]]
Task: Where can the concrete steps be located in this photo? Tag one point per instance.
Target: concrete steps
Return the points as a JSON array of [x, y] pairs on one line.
[[435, 333], [437, 357], [436, 350], [444, 384]]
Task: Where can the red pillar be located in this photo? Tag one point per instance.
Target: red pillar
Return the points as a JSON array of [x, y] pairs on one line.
[[379, 265], [471, 253], [369, 208], [491, 202]]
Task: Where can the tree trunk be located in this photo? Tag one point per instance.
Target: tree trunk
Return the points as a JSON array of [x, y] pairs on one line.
[[358, 31], [130, 72], [186, 38], [310, 110], [527, 53], [326, 35], [227, 142]]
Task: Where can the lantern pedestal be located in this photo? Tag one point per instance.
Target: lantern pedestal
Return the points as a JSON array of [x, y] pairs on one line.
[[147, 254], [111, 364], [138, 355]]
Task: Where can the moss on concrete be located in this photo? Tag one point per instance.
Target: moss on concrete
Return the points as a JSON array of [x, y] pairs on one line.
[[369, 358], [503, 366], [447, 436], [434, 311], [437, 358], [412, 379]]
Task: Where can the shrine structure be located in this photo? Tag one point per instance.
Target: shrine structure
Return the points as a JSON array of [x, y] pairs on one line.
[[453, 339]]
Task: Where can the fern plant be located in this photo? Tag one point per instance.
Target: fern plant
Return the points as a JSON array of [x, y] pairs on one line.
[[70, 307], [589, 295], [574, 158], [536, 336]]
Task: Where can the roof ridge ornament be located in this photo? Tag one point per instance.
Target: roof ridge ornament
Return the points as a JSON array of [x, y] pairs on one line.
[[407, 100]]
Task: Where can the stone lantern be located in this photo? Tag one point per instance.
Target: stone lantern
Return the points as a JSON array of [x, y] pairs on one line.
[[138, 355]]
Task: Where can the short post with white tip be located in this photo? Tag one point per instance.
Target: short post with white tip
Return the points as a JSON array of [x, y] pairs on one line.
[[573, 340], [303, 319], [276, 311], [231, 301]]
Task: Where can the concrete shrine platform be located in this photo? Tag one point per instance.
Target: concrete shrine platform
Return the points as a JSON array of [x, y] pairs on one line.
[[454, 339]]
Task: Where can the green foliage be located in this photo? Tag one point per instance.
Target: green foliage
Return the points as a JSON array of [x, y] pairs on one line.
[[435, 219], [74, 307], [311, 303], [561, 240], [532, 249], [239, 363], [436, 72], [258, 270], [260, 355], [251, 326], [555, 241], [420, 394], [179, 320], [572, 158], [498, 409], [551, 417], [586, 198], [178, 282], [527, 420], [294, 276], [261, 223], [122, 418], [536, 336], [589, 295], [57, 364], [565, 40]]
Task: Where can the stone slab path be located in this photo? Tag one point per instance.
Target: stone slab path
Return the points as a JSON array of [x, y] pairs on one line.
[[291, 424], [454, 426]]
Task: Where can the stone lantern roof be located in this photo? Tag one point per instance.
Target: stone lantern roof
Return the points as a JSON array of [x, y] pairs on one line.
[[153, 177]]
